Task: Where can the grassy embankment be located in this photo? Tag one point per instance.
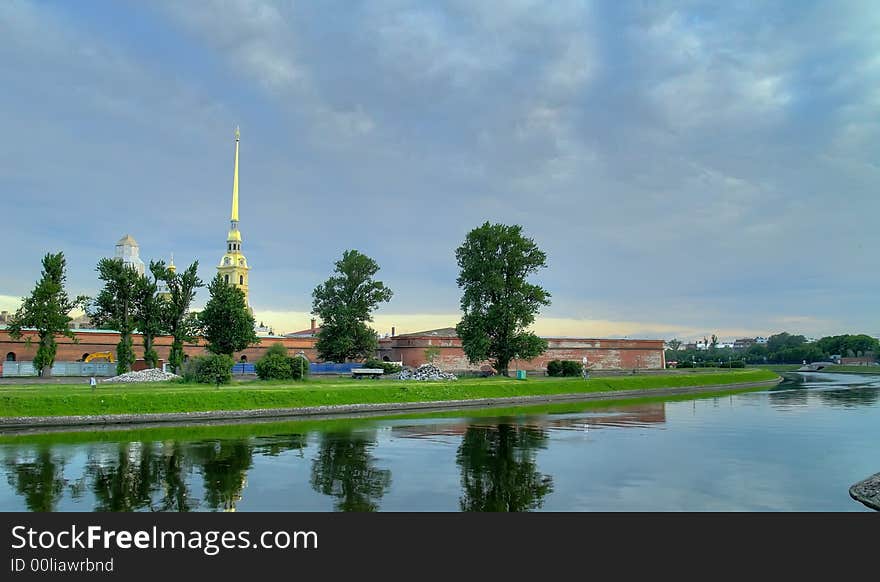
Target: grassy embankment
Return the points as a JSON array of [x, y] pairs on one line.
[[57, 400], [272, 428]]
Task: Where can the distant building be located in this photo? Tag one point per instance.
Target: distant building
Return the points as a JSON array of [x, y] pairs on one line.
[[760, 340], [5, 316], [311, 332], [744, 343], [128, 251], [859, 361], [82, 322]]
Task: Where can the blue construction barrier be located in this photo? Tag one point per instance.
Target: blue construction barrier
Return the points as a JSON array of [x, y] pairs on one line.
[[331, 368], [322, 368], [243, 368]]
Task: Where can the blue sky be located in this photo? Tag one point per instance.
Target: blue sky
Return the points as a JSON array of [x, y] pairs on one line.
[[689, 168]]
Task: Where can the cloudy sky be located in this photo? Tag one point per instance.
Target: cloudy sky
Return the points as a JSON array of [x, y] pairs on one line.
[[689, 167]]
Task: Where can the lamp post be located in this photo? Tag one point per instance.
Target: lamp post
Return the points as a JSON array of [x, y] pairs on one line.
[[302, 356]]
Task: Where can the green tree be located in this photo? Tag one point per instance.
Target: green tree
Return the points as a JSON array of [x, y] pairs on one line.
[[115, 306], [674, 344], [497, 300], [714, 342], [780, 341], [180, 323], [47, 310], [149, 311], [345, 303], [226, 321]]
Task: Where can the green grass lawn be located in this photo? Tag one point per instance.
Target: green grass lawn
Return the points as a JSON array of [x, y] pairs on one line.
[[55, 400]]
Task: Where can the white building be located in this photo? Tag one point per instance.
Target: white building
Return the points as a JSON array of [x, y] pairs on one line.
[[128, 250]]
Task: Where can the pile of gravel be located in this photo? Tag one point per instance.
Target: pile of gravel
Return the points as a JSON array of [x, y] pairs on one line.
[[149, 375], [426, 372]]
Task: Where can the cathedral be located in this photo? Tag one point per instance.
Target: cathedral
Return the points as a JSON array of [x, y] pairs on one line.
[[233, 266]]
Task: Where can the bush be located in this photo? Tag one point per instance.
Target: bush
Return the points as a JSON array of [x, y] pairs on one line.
[[277, 365], [387, 367], [572, 368], [684, 365], [554, 368], [210, 369], [274, 366]]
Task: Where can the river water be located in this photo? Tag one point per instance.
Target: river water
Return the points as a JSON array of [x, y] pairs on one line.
[[797, 447]]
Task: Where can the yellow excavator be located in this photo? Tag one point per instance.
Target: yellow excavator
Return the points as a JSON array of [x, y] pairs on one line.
[[108, 356]]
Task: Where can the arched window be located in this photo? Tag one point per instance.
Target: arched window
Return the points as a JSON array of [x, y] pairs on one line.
[[10, 357], [241, 279], [85, 355], [226, 279], [386, 359], [185, 357], [243, 358]]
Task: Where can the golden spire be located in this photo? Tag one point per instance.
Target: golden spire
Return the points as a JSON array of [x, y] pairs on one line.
[[171, 267], [235, 181]]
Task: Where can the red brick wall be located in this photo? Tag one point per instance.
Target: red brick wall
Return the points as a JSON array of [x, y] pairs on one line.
[[602, 354], [89, 342], [605, 354]]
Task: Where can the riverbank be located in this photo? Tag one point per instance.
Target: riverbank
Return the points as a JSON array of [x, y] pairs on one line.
[[127, 404]]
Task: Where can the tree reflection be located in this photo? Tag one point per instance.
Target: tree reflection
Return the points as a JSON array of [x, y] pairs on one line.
[[224, 469], [127, 482], [850, 397], [175, 466], [40, 481], [343, 468], [498, 471]]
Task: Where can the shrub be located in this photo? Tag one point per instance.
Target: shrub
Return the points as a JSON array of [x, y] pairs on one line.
[[210, 369], [685, 364], [274, 366], [387, 367], [572, 368], [554, 368], [277, 365]]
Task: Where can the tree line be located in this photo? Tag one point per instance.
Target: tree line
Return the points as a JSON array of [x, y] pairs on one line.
[[498, 305], [781, 348]]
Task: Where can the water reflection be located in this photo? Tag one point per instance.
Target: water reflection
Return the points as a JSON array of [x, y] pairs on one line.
[[498, 469], [224, 466], [39, 480], [344, 468], [833, 390], [519, 462]]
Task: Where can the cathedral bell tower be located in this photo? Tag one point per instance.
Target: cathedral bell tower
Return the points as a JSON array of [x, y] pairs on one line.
[[233, 266]]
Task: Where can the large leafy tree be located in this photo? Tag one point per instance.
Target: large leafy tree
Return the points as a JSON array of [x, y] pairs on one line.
[[149, 316], [115, 306], [345, 303], [498, 302], [178, 321], [226, 321], [47, 310]]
